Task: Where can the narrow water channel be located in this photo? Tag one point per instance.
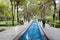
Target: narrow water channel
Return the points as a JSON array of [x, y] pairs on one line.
[[32, 33]]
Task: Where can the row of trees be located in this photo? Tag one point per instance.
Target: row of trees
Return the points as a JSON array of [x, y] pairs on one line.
[[5, 13], [16, 4], [8, 11], [32, 8]]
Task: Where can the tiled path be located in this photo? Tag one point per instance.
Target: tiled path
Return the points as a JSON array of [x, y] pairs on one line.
[[51, 32], [11, 32]]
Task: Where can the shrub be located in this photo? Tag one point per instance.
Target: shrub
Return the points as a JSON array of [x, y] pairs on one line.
[[8, 23], [49, 19]]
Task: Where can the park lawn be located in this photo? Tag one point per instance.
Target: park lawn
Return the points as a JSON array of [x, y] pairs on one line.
[[1, 30], [49, 20], [7, 23], [57, 24]]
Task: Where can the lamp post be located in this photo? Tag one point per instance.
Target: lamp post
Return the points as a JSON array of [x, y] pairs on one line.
[[12, 13]]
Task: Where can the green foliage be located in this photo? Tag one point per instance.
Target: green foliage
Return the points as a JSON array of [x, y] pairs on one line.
[[57, 21], [44, 0], [34, 9], [49, 19], [7, 23], [20, 15], [1, 30], [4, 10], [50, 11], [57, 25], [23, 2], [35, 1]]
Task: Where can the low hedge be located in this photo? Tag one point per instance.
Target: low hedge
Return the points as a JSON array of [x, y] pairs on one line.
[[1, 30], [57, 21], [8, 23], [56, 25]]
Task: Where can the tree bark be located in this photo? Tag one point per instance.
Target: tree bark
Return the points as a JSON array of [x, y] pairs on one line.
[[12, 15], [54, 11], [17, 14], [59, 13]]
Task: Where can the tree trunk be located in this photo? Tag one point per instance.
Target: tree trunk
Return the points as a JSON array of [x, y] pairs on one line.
[[14, 10], [54, 11], [17, 14], [12, 15], [59, 13]]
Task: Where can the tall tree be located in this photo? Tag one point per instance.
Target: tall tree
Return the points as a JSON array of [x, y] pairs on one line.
[[44, 5], [12, 12], [59, 13], [54, 15], [20, 3]]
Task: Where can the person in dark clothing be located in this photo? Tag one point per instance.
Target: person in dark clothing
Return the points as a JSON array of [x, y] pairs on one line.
[[43, 21], [28, 20]]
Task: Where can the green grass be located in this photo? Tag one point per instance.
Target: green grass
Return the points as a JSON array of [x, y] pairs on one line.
[[57, 24], [7, 23], [57, 21], [49, 20], [1, 30]]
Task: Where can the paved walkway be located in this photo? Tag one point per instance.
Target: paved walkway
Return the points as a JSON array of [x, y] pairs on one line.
[[51, 32], [11, 32]]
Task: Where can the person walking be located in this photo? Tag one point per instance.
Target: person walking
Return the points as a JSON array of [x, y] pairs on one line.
[[43, 21]]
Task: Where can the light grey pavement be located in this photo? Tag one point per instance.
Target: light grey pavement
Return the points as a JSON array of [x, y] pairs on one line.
[[51, 32], [11, 32]]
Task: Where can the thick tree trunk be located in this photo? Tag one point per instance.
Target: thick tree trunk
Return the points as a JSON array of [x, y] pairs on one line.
[[17, 14], [54, 11], [12, 15], [59, 13], [14, 10]]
